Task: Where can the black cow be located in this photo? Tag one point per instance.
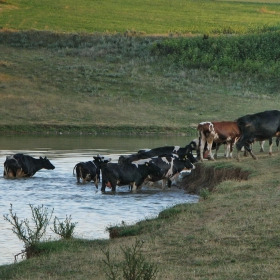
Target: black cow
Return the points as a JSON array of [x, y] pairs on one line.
[[195, 144], [131, 174], [20, 165], [161, 152], [90, 170], [257, 127], [170, 165]]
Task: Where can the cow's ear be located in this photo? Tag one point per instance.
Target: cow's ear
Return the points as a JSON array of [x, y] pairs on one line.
[[147, 164], [40, 157]]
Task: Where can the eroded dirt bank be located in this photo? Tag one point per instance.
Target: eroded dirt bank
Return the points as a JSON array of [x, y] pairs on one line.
[[204, 176]]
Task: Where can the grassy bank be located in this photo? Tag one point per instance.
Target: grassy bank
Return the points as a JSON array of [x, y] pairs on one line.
[[96, 83], [233, 234]]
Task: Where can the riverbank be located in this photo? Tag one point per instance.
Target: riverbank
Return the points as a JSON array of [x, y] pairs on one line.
[[232, 234], [97, 130]]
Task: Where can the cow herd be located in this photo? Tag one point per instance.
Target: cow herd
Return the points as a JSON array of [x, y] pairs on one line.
[[162, 163]]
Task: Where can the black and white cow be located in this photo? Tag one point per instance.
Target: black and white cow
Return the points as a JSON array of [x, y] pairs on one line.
[[257, 127], [90, 170], [161, 152], [20, 165], [171, 166], [132, 174]]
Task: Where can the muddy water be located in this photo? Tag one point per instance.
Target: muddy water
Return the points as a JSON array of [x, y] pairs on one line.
[[57, 189]]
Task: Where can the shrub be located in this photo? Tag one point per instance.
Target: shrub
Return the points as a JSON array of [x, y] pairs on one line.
[[134, 266], [204, 193], [64, 229], [30, 235]]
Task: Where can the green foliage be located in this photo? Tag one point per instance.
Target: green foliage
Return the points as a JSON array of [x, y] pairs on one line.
[[64, 229], [254, 53], [204, 193], [30, 234], [134, 267], [25, 232]]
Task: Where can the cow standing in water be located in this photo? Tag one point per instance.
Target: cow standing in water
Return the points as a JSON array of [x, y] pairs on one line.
[[219, 132], [257, 127], [20, 165], [90, 170], [132, 174], [171, 166]]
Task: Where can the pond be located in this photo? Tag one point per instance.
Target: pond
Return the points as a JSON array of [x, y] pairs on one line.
[[57, 189]]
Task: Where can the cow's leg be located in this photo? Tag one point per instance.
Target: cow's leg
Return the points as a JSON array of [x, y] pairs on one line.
[[103, 187], [227, 150], [169, 184], [96, 181], [248, 147], [216, 151], [262, 145], [134, 187], [202, 144], [163, 184], [277, 142], [209, 147], [270, 146]]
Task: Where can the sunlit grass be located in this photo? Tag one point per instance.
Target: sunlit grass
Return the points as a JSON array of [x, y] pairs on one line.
[[146, 17]]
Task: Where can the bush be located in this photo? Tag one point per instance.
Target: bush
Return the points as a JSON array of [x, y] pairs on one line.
[[30, 235], [253, 53], [64, 229], [134, 266]]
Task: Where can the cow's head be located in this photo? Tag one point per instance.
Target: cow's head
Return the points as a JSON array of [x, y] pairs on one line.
[[187, 163], [101, 160], [46, 163], [190, 148]]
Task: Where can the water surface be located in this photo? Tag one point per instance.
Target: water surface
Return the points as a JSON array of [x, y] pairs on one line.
[[57, 189]]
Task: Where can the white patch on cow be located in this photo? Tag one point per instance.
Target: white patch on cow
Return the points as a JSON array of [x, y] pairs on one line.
[[203, 123], [176, 148], [170, 171], [164, 159]]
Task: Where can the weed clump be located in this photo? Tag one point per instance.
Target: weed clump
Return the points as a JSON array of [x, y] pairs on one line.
[[133, 267]]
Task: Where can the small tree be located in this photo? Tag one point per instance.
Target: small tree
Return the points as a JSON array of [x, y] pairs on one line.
[[64, 229], [30, 235]]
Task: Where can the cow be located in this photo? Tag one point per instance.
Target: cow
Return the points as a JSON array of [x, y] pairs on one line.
[[20, 165], [257, 127], [171, 166], [90, 170], [218, 132], [132, 174], [161, 152], [195, 143]]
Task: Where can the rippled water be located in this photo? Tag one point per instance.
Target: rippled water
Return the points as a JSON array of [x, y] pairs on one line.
[[92, 210]]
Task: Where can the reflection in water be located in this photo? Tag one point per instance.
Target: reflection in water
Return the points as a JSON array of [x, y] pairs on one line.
[[57, 189]]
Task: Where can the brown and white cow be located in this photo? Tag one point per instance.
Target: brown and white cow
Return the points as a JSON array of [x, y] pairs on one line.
[[218, 132]]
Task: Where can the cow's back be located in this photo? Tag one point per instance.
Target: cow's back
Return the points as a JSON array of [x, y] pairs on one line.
[[261, 125]]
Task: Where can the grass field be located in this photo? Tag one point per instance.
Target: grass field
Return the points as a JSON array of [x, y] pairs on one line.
[[90, 67], [147, 17]]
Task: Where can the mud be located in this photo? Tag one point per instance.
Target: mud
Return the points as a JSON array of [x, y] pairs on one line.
[[204, 176]]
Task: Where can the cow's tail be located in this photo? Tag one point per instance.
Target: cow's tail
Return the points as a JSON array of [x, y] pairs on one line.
[[74, 169]]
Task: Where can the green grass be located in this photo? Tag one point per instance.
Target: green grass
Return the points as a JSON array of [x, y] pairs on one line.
[[148, 17], [107, 78], [233, 234], [68, 77]]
